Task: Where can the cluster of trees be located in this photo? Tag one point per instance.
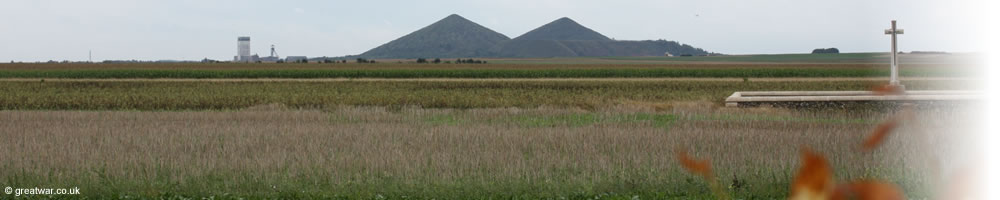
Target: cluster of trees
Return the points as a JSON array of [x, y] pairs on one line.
[[334, 61], [317, 61], [462, 61], [828, 50], [435, 61], [362, 60], [206, 60], [470, 61], [128, 61]]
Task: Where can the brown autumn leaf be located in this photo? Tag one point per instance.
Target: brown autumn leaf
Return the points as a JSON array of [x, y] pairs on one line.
[[702, 168], [888, 89], [868, 190], [814, 179], [879, 134]]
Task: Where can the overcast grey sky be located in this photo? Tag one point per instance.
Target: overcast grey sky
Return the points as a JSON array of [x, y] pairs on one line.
[[38, 30]]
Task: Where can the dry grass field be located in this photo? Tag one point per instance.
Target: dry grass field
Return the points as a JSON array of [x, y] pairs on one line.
[[271, 151]]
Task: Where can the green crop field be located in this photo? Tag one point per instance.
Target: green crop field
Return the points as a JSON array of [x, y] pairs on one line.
[[480, 73], [806, 58], [711, 67], [842, 58], [195, 95]]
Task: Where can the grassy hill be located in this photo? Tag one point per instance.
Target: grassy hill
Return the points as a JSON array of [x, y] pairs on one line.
[[563, 29], [451, 37], [457, 37], [592, 48]]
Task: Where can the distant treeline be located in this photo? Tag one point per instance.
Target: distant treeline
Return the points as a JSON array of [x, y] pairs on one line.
[[827, 50], [459, 61]]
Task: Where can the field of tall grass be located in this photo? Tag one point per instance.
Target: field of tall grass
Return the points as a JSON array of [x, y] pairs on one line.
[[412, 70], [356, 152], [586, 94]]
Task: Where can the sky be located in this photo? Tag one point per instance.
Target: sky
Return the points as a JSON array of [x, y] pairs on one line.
[[41, 30]]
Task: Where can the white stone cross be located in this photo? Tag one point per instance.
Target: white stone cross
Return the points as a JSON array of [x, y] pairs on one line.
[[894, 64]]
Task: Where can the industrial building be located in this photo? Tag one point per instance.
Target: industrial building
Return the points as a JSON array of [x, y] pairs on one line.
[[243, 50], [243, 53], [272, 58]]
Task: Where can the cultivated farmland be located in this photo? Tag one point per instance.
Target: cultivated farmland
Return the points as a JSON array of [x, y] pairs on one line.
[[225, 95], [589, 128]]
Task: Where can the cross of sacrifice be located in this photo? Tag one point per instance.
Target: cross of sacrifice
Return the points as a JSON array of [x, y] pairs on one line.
[[894, 64]]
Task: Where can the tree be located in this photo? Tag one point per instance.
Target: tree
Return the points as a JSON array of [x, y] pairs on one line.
[[437, 60], [421, 60], [828, 50]]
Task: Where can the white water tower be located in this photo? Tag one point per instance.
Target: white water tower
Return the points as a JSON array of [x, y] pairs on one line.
[[242, 49]]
